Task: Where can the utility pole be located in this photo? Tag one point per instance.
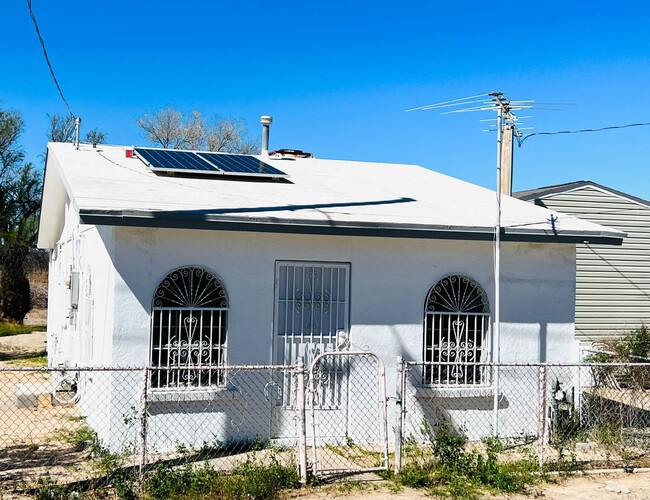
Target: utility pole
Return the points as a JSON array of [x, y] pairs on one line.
[[507, 157], [503, 109], [494, 101]]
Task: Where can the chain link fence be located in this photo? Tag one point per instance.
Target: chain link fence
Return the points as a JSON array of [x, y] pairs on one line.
[[89, 426], [559, 415], [86, 425], [96, 426], [348, 413]]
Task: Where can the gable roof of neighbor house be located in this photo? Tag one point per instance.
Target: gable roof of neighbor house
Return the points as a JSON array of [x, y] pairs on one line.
[[323, 197], [533, 194]]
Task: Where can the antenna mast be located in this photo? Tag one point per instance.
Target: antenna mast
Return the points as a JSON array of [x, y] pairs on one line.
[[503, 109], [494, 101]]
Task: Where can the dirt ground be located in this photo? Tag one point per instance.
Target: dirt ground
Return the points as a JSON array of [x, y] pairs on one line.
[[29, 443], [28, 344], [584, 487], [36, 317]]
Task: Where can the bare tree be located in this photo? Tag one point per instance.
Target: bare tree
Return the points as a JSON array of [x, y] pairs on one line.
[[61, 128], [231, 136], [169, 128]]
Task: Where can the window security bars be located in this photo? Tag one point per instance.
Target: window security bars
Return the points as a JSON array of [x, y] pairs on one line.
[[311, 311], [456, 325], [189, 331]]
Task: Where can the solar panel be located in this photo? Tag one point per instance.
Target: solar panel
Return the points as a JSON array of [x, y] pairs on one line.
[[167, 160], [170, 160], [242, 165]]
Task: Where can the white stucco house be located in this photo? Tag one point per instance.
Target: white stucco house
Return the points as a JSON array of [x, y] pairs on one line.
[[155, 268]]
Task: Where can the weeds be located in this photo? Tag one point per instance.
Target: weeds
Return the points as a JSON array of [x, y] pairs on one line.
[[8, 329], [40, 359], [447, 469], [251, 480], [84, 438], [46, 489]]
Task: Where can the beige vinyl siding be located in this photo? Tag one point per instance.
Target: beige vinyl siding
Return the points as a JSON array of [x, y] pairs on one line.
[[612, 282]]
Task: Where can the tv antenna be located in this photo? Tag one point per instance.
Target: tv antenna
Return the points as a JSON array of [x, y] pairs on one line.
[[506, 121]]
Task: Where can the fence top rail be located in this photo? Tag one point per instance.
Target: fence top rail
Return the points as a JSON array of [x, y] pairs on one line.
[[522, 365], [225, 368]]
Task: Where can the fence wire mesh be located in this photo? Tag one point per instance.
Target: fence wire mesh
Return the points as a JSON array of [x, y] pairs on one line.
[[91, 425], [87, 425], [348, 413], [560, 415]]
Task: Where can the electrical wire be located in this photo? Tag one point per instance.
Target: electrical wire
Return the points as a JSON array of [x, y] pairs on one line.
[[520, 140], [47, 58]]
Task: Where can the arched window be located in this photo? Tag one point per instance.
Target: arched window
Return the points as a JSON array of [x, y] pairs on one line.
[[189, 330], [456, 324]]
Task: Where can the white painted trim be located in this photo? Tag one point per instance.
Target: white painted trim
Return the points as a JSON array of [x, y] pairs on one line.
[[216, 394], [454, 392]]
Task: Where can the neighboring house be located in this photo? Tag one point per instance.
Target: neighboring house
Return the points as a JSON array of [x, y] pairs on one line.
[[612, 282], [176, 271]]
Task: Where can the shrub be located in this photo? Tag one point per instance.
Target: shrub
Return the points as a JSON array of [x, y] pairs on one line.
[[448, 469], [631, 348], [250, 480]]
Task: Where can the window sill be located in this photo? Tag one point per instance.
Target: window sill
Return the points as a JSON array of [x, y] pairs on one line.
[[178, 395], [454, 392]]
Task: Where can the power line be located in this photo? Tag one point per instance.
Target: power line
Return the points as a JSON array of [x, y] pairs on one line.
[[520, 140], [47, 59]]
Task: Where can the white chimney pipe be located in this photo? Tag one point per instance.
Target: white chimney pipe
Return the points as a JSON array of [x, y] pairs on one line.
[[266, 126]]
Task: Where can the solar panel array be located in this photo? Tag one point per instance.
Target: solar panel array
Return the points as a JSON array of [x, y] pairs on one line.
[[162, 159], [167, 160], [241, 164]]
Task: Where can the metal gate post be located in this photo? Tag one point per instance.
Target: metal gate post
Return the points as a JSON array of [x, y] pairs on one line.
[[302, 427], [398, 414], [143, 421], [383, 408], [312, 399], [541, 416]]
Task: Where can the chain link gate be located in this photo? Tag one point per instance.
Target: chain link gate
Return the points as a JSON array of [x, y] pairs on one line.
[[347, 413]]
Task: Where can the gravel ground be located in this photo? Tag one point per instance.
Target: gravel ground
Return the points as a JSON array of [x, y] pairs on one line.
[[583, 487]]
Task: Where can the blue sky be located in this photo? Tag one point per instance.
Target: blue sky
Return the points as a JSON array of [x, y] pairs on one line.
[[337, 77]]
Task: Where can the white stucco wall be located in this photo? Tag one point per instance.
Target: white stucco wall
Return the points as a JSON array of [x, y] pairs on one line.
[[389, 282], [83, 337], [390, 279]]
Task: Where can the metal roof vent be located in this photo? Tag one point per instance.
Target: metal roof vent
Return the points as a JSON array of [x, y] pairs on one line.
[[290, 154], [266, 126]]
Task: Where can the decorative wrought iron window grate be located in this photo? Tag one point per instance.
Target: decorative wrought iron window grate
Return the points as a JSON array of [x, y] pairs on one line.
[[189, 330], [456, 325], [312, 317]]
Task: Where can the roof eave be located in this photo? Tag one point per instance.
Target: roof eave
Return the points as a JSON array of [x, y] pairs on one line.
[[189, 220]]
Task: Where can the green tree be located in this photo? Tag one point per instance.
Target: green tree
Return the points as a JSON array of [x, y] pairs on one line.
[[20, 186], [95, 137]]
